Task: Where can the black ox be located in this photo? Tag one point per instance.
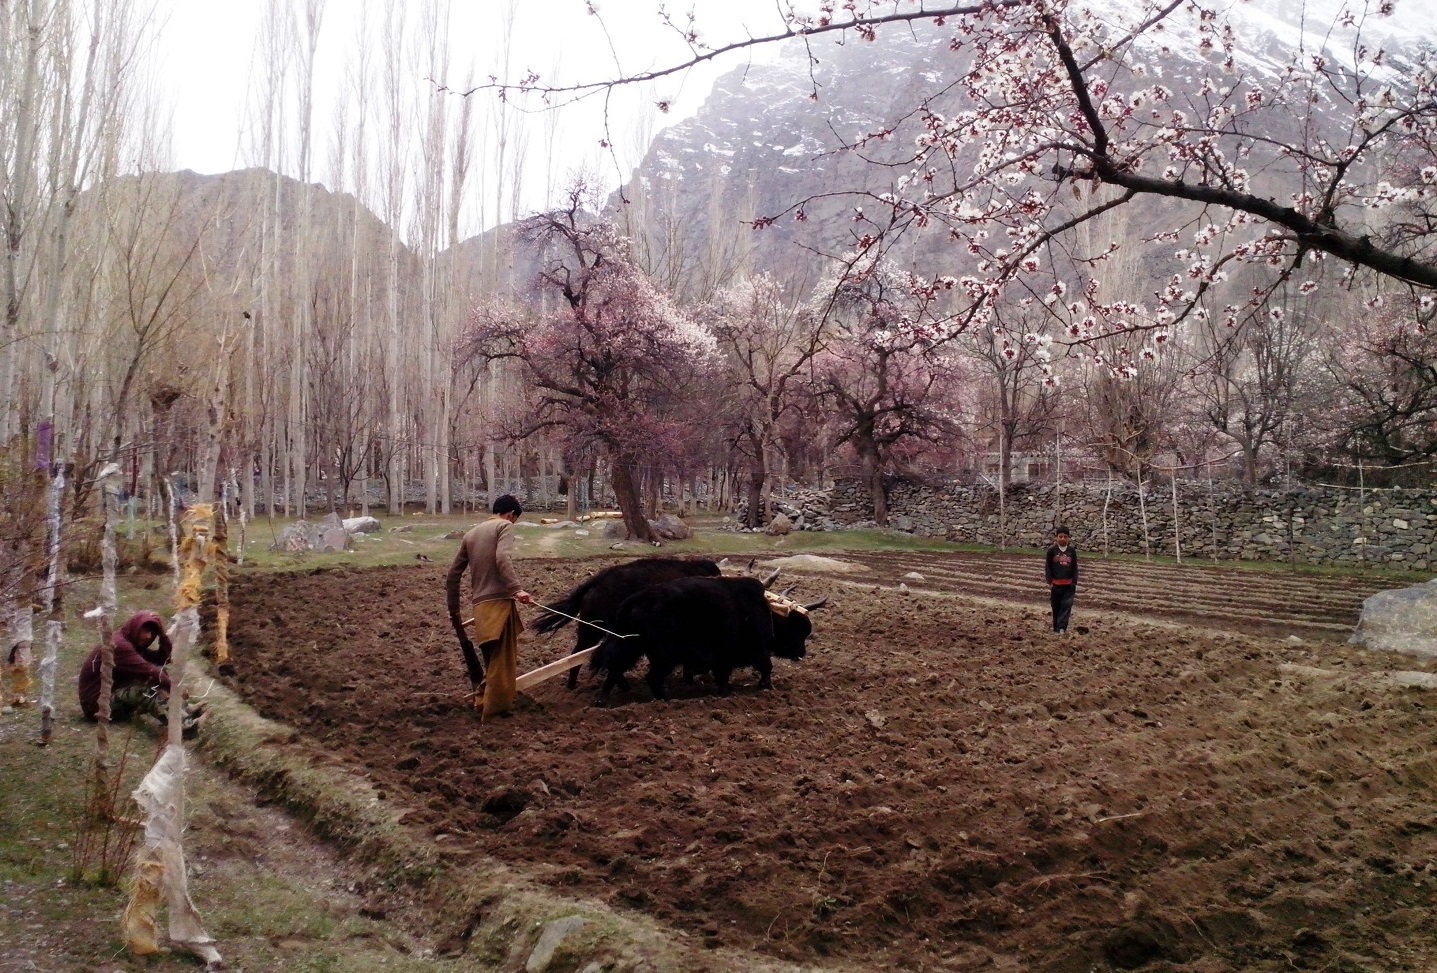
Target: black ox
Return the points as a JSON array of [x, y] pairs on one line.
[[705, 625], [597, 598]]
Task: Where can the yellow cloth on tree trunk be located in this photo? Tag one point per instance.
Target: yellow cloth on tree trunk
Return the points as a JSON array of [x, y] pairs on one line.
[[497, 625]]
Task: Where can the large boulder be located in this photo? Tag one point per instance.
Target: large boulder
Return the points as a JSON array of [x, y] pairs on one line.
[[361, 525], [294, 539], [1400, 620], [671, 528], [779, 525]]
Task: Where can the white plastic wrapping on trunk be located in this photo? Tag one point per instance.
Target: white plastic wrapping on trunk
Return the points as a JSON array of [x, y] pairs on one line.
[[160, 870]]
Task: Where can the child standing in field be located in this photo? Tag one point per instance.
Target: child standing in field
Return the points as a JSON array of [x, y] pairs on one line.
[[1060, 570]]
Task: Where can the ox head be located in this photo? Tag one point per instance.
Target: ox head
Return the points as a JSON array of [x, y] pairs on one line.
[[791, 625]]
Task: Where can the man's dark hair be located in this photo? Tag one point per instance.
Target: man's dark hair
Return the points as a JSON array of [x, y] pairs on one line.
[[508, 505]]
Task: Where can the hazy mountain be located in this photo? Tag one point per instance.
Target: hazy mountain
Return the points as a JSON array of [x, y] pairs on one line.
[[762, 143]]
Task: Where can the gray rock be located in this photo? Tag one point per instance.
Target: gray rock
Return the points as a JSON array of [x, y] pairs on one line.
[[615, 529], [902, 522], [332, 540], [550, 940], [779, 525], [295, 538], [361, 525], [671, 528], [1400, 620]]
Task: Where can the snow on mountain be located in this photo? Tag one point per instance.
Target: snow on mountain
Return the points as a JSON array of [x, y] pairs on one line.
[[773, 134]]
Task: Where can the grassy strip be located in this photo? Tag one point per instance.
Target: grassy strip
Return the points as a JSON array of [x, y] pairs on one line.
[[336, 804]]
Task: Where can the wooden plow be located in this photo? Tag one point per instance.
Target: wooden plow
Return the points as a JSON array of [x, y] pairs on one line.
[[551, 669]]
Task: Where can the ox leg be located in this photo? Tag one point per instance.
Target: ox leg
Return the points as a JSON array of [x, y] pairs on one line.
[[612, 680], [609, 683], [580, 644], [765, 673], [656, 677], [721, 678]]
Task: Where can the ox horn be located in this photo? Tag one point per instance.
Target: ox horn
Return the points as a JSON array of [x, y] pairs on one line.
[[772, 577], [816, 605]]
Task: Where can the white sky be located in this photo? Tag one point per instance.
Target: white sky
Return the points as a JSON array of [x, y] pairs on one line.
[[209, 67]]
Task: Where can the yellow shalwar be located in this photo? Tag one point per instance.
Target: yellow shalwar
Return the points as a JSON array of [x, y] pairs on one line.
[[497, 624]]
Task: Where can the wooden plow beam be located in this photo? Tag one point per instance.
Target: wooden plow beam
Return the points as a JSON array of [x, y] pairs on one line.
[[551, 669]]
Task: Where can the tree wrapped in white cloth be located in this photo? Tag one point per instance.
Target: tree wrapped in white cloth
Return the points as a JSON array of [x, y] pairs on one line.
[[160, 871]]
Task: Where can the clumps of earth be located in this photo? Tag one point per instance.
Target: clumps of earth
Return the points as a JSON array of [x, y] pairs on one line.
[[1209, 779]]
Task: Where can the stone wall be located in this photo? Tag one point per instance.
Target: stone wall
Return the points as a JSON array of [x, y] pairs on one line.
[[1313, 525]]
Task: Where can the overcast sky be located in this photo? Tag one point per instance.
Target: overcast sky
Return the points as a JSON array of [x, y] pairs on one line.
[[209, 63]]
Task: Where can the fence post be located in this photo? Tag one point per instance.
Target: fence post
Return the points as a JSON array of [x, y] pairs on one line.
[[1177, 520], [1107, 500], [1143, 511], [1212, 508]]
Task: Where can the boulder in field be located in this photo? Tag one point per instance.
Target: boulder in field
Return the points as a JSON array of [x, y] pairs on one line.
[[779, 525], [1400, 620], [671, 528], [361, 525], [332, 540], [295, 538]]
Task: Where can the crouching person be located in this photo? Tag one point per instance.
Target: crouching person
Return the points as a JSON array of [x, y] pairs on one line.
[[140, 684]]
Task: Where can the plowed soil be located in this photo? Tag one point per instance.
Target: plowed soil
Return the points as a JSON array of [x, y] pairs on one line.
[[1203, 778]]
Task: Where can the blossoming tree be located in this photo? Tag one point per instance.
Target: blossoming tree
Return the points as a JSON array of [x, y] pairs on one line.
[[1057, 112], [609, 358]]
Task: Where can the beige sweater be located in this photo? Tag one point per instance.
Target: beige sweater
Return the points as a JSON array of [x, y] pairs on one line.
[[487, 552]]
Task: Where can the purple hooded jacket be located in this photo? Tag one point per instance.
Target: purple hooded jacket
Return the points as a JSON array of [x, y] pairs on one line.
[[133, 665]]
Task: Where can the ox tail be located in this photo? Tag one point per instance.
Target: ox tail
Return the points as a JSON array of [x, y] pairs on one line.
[[569, 605]]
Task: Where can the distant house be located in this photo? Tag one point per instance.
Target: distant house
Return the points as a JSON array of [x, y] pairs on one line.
[[1039, 468], [1023, 467]]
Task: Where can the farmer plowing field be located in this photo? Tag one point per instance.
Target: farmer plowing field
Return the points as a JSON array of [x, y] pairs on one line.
[[495, 593]]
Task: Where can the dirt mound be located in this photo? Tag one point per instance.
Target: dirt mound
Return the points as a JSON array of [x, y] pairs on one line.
[[814, 562], [940, 785]]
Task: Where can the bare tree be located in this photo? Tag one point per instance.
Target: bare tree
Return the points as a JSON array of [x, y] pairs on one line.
[[1022, 393], [1248, 379], [1385, 361]]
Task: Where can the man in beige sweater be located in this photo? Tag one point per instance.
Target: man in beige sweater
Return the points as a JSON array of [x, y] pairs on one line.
[[495, 593]]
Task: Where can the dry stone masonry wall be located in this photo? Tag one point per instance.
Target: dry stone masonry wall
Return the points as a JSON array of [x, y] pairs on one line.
[[1314, 525]]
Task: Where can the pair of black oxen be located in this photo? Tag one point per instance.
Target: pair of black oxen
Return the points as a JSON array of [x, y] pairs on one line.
[[679, 612]]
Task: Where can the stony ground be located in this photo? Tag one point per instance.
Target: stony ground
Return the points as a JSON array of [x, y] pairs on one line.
[[1204, 778]]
